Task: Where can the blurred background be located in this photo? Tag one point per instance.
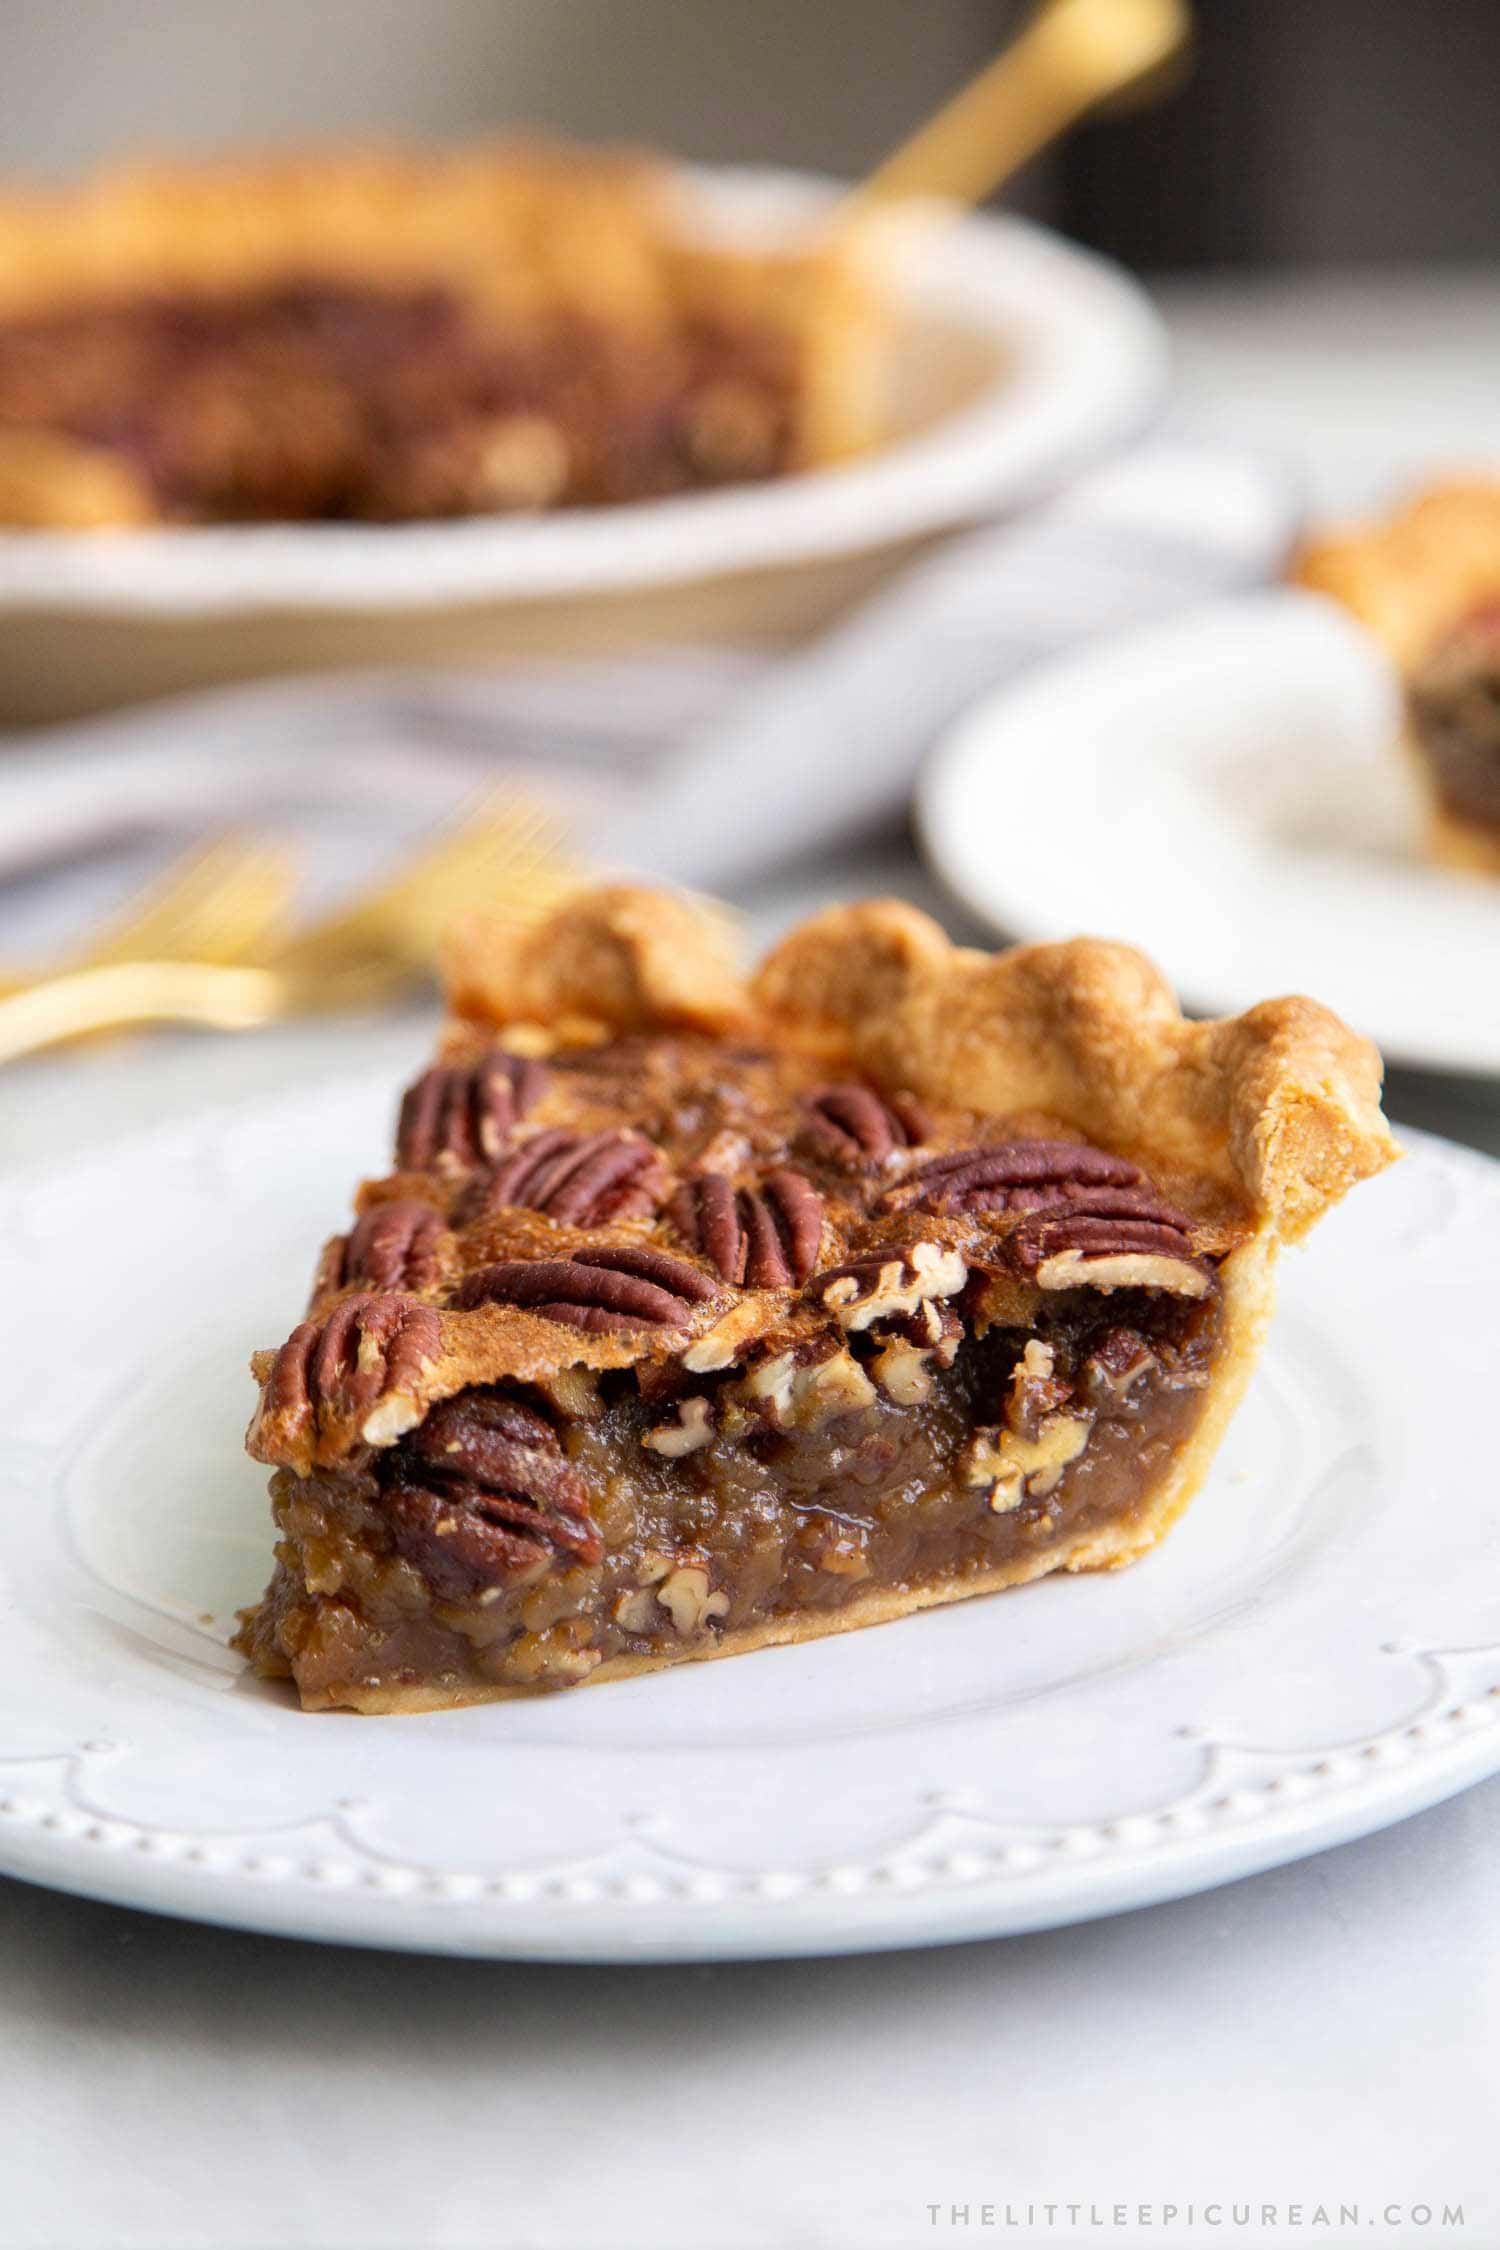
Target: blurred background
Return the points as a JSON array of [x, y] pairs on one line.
[[1309, 203], [1335, 133]]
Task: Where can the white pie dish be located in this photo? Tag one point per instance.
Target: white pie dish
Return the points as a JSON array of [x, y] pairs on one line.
[[1017, 358]]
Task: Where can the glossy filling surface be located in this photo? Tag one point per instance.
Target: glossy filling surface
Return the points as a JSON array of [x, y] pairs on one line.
[[320, 400], [505, 1544]]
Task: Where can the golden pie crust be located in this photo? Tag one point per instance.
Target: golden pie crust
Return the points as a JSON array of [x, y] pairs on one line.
[[1412, 578], [1252, 1127], [532, 242]]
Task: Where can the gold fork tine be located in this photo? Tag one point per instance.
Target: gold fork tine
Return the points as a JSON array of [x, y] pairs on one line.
[[505, 861], [221, 902], [218, 903], [505, 858]]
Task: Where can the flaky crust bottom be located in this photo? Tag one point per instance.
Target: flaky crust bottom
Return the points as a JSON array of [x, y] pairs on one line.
[[1248, 1281]]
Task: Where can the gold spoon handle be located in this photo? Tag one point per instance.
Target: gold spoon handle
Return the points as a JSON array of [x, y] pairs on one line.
[[1071, 56]]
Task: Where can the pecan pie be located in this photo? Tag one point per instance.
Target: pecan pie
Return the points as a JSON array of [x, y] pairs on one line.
[[1427, 584], [701, 1314], [387, 337]]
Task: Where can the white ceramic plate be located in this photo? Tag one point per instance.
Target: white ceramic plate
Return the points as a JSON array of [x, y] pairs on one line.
[[1225, 792], [1314, 1653], [1018, 355]]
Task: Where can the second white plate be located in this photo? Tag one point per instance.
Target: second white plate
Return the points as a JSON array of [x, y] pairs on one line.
[[1225, 792]]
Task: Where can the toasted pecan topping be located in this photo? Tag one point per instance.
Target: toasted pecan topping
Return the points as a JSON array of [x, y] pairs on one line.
[[464, 1115], [581, 1180], [394, 1246], [597, 1289], [855, 1128], [1112, 1238], [483, 1495], [365, 1360], [1010, 1176], [765, 1237]]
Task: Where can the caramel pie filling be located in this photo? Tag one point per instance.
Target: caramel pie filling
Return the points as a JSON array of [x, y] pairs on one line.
[[778, 1355], [1454, 701], [320, 400], [751, 1528]]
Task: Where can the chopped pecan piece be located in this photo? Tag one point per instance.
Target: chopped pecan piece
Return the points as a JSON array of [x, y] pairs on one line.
[[1112, 1238], [693, 1429], [393, 1246], [890, 1284], [1013, 1468], [911, 1345], [580, 1180], [1117, 1362], [366, 1359], [1035, 1389], [482, 1497], [802, 1394], [597, 1289], [463, 1115], [767, 1237], [1010, 1176], [857, 1129], [686, 1597]]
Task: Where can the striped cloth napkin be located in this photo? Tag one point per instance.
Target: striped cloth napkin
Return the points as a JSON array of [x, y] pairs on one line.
[[715, 766]]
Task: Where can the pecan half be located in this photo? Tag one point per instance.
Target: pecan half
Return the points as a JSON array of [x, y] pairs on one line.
[[482, 1496], [855, 1128], [581, 1180], [393, 1246], [767, 1237], [1112, 1238], [366, 1359], [463, 1115], [597, 1289], [1010, 1176]]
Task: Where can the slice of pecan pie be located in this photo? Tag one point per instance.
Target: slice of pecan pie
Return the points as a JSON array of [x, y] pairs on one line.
[[699, 1315], [387, 337], [1427, 584]]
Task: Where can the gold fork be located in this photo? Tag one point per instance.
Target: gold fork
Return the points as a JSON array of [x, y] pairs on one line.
[[1069, 58], [225, 901], [503, 858]]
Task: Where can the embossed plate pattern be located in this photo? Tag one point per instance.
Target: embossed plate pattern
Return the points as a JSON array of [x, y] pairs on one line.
[[1314, 1653]]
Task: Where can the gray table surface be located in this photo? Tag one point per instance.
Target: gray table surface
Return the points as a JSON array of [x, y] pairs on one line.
[[1324, 2035]]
